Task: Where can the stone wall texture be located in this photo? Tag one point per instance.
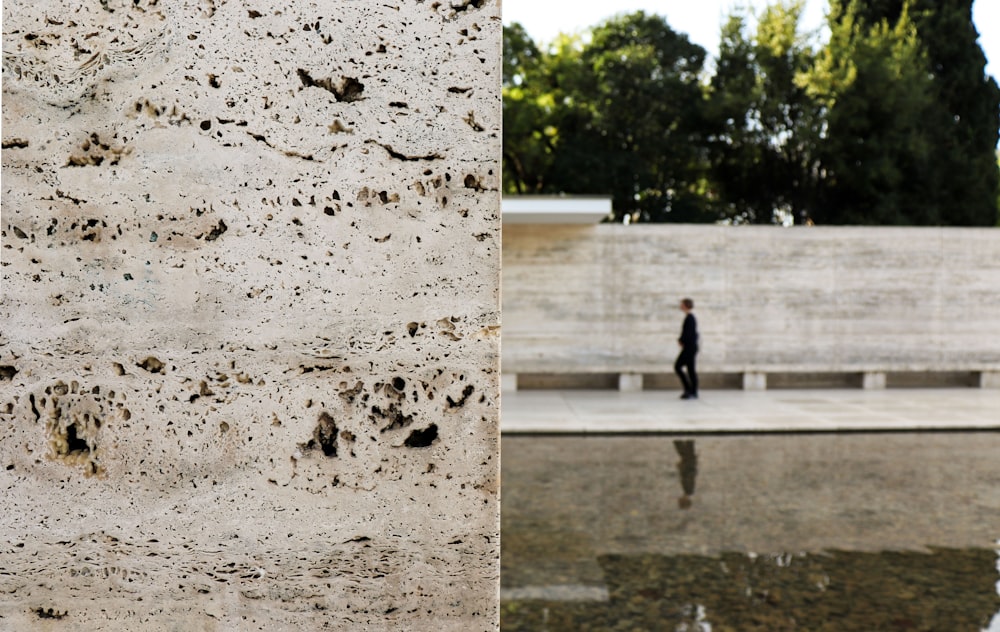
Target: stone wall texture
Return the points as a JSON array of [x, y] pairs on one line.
[[604, 298], [250, 320]]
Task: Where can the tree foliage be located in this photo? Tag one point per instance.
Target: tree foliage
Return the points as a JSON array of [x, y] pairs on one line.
[[892, 120], [873, 84], [619, 114], [527, 106], [961, 121], [765, 124], [647, 117]]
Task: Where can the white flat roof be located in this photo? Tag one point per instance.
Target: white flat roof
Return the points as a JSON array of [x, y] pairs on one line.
[[544, 209]]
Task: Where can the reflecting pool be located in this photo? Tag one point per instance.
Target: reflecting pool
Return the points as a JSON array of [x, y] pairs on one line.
[[873, 531]]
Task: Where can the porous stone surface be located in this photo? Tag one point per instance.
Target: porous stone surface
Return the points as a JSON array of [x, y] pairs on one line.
[[250, 321]]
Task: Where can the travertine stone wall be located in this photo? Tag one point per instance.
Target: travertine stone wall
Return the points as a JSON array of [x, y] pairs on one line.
[[249, 341], [581, 299]]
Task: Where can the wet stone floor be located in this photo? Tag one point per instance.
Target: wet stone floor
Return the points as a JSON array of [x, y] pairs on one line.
[[838, 532]]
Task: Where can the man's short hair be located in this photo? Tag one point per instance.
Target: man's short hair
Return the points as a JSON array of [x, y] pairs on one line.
[[688, 303]]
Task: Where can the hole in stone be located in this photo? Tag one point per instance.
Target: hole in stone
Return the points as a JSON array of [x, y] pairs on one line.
[[7, 372], [151, 364], [350, 90], [49, 613], [75, 443], [217, 231], [347, 90], [325, 435], [34, 408], [394, 415], [422, 438], [398, 383], [461, 401]]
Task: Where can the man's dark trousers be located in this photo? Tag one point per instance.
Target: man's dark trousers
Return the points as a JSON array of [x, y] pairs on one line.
[[686, 361]]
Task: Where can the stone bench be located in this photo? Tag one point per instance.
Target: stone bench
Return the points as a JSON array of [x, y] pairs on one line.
[[757, 378]]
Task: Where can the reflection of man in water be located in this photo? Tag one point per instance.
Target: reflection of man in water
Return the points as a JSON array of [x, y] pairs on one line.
[[688, 468]]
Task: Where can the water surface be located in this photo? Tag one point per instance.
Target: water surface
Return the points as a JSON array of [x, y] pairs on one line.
[[878, 531]]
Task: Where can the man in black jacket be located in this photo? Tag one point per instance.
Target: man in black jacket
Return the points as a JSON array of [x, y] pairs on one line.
[[689, 348]]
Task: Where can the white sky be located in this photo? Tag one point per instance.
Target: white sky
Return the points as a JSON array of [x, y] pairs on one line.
[[700, 20]]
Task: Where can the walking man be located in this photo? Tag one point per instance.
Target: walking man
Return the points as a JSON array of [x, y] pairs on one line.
[[689, 349]]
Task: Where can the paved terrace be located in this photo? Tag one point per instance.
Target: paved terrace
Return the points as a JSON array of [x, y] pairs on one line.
[[736, 411]]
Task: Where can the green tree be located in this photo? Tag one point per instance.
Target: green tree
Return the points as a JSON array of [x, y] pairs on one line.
[[892, 121], [521, 57], [547, 118], [873, 83], [527, 107], [619, 114], [935, 163], [998, 190], [765, 124], [644, 82]]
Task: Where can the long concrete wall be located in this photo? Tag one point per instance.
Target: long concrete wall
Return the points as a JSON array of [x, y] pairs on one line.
[[249, 323], [586, 299]]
